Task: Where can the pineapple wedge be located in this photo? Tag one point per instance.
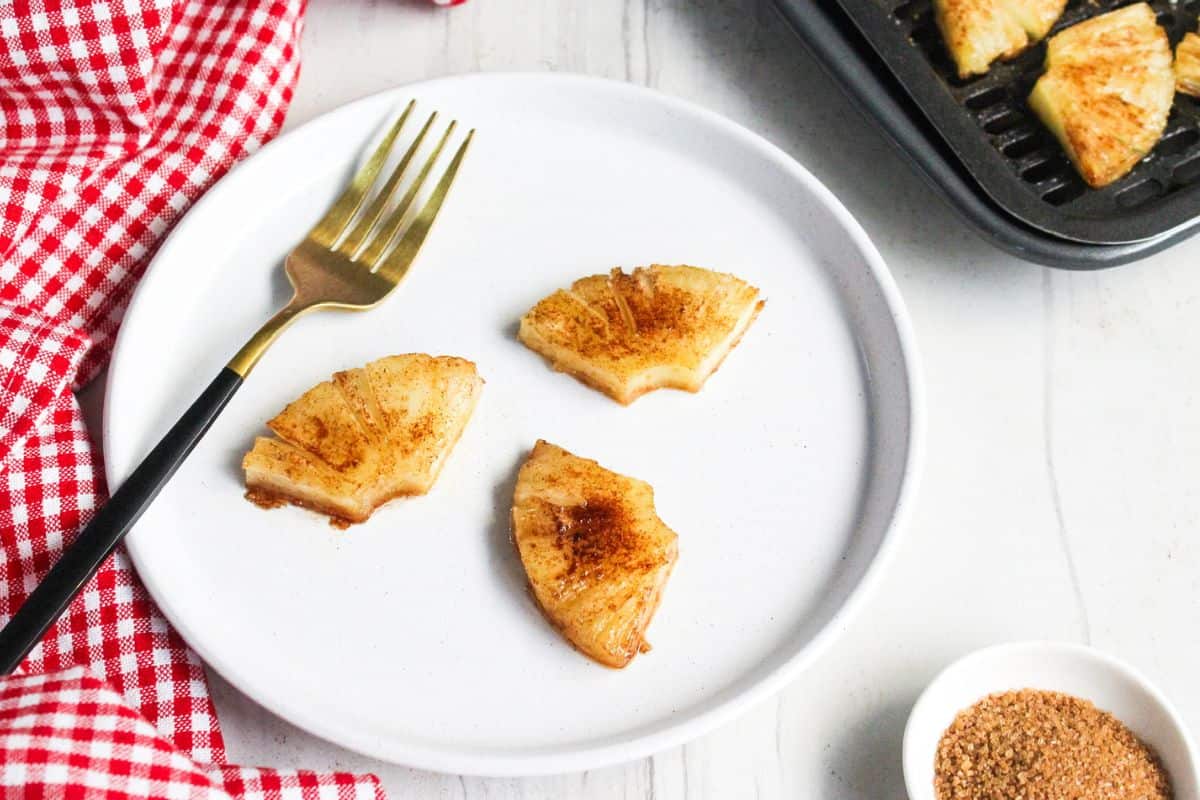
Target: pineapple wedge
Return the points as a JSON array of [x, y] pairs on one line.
[[977, 32], [596, 554], [1187, 65], [662, 326], [352, 443], [1107, 91]]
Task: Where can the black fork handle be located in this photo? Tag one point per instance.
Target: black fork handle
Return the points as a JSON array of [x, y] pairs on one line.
[[84, 556]]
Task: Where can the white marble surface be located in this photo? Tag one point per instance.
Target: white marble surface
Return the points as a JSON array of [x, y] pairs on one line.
[[1059, 499]]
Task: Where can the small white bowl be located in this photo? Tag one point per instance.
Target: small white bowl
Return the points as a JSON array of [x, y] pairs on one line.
[[1067, 668]]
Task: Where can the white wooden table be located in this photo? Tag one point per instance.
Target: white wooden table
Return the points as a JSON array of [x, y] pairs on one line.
[[1060, 498]]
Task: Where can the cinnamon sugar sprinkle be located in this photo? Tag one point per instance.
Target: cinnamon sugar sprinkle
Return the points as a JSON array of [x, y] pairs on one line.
[[1037, 745]]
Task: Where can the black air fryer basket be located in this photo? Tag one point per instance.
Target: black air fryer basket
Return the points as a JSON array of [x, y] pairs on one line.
[[977, 141]]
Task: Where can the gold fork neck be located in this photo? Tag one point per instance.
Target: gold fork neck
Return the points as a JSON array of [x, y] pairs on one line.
[[253, 350]]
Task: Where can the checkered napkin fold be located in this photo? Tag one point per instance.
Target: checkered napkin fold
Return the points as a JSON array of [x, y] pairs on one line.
[[115, 117]]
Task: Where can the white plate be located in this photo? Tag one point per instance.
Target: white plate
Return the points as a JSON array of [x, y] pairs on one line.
[[411, 638]]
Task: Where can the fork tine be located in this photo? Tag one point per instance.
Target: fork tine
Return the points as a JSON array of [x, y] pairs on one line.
[[388, 229], [397, 262], [346, 206], [353, 241]]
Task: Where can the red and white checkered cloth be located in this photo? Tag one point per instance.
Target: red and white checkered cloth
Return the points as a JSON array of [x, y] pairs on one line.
[[116, 115], [69, 734]]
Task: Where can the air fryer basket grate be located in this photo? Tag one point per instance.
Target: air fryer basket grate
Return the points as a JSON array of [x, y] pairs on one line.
[[988, 123]]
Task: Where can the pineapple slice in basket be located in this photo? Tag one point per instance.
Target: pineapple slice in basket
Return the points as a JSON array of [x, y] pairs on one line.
[[662, 326], [595, 552], [1107, 91], [1187, 65], [350, 444], [977, 32]]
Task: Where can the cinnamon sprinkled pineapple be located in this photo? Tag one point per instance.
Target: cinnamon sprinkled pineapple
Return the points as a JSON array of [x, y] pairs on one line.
[[1187, 65], [350, 444], [1107, 91], [628, 334], [977, 32], [596, 554]]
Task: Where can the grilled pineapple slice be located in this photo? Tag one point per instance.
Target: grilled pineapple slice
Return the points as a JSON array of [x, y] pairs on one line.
[[1107, 91], [1187, 65], [662, 326], [596, 554], [350, 444], [977, 32]]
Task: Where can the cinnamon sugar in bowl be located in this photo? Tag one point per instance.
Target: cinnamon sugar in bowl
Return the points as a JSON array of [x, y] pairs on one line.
[[1041, 745], [1046, 721]]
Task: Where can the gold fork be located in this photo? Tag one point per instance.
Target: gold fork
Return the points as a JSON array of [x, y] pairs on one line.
[[351, 259]]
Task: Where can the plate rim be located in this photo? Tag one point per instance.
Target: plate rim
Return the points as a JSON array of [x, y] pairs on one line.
[[662, 735]]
